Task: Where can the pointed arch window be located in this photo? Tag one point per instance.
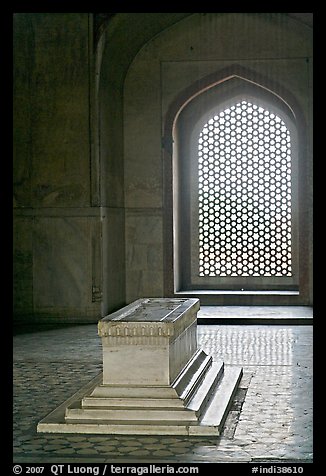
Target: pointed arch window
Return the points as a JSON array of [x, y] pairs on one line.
[[235, 192]]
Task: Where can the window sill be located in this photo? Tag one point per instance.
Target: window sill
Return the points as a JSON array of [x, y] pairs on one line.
[[235, 292]]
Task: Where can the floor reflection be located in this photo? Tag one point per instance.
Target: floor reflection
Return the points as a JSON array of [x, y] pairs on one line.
[[248, 345], [273, 423]]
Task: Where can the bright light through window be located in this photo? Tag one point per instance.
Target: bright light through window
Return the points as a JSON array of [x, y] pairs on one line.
[[244, 166]]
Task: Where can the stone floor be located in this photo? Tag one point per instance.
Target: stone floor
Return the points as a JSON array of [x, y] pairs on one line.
[[270, 420]]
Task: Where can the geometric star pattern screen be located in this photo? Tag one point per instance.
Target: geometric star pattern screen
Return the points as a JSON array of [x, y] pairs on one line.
[[244, 168]]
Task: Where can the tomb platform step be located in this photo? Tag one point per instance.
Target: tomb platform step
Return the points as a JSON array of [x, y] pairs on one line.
[[118, 403], [116, 428], [208, 407], [130, 414], [192, 375], [215, 413], [210, 422], [133, 391], [203, 389], [204, 392]]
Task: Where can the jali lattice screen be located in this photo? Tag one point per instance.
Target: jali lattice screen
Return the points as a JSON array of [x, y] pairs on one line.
[[244, 166]]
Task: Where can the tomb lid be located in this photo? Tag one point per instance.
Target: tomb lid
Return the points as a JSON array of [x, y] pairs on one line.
[[162, 312]]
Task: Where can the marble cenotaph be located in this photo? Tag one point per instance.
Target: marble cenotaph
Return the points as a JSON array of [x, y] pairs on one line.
[[155, 380]]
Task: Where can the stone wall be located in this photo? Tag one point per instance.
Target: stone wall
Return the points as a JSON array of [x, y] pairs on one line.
[[67, 261], [88, 152], [272, 45]]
